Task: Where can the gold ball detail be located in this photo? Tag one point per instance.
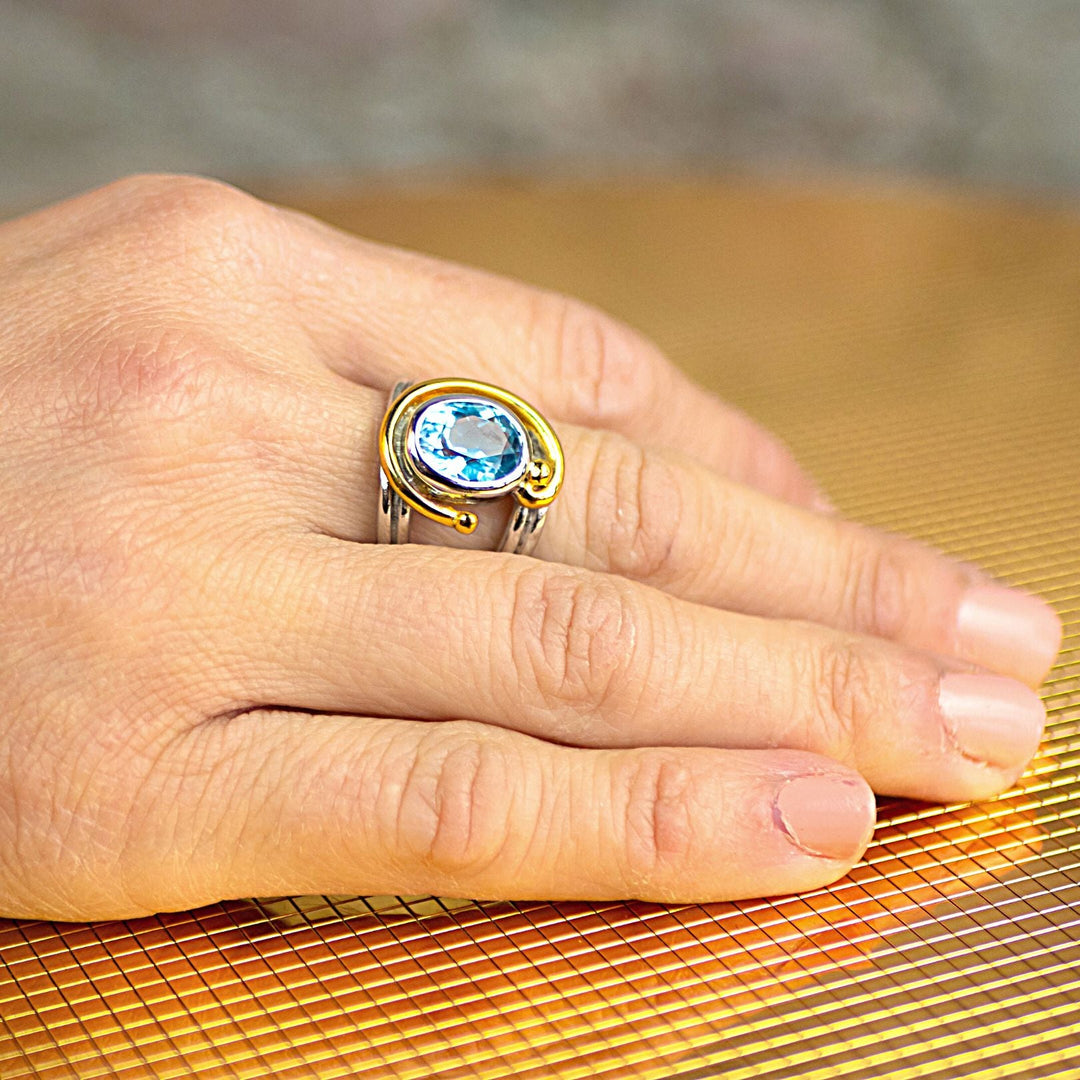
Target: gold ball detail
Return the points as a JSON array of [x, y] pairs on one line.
[[539, 473]]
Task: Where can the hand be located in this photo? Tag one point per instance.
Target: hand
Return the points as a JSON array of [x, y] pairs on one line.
[[215, 685]]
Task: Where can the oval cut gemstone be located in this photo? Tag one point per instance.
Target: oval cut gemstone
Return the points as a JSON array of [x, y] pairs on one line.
[[470, 443]]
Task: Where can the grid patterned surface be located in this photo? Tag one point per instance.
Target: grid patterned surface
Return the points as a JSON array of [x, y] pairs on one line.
[[920, 354]]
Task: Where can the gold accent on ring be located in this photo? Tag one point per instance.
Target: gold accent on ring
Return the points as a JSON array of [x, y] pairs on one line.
[[537, 487]]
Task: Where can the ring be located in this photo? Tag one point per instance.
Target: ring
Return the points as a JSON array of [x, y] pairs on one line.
[[447, 444]]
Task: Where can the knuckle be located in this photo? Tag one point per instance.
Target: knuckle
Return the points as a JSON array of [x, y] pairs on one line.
[[176, 241], [575, 637], [452, 812], [846, 691], [183, 205], [735, 534], [191, 231], [659, 814], [880, 585], [635, 501], [607, 368]]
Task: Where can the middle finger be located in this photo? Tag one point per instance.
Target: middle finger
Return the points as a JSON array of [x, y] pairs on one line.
[[591, 659]]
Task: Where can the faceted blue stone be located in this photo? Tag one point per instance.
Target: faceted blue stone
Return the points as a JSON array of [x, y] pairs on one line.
[[470, 443]]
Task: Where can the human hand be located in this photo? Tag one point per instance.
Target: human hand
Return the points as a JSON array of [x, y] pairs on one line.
[[214, 684]]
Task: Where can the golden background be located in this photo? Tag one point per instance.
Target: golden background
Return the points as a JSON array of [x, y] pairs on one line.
[[919, 351]]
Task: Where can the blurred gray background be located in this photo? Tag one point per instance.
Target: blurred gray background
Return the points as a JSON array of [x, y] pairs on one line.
[[986, 92]]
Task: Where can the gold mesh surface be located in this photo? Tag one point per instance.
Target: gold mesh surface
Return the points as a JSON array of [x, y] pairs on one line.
[[920, 353]]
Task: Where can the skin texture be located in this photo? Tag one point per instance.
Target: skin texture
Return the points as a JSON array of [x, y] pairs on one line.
[[214, 683]]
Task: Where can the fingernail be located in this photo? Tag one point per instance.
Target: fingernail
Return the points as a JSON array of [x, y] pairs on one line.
[[1009, 631], [827, 815], [991, 718]]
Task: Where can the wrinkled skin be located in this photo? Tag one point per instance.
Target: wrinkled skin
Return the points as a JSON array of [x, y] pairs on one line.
[[214, 683]]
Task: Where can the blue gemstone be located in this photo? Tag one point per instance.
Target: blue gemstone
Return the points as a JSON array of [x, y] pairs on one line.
[[470, 443]]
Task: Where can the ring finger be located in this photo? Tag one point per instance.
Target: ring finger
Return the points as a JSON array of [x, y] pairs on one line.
[[656, 516]]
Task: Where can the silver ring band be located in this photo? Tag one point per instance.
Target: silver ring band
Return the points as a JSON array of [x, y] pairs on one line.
[[394, 512]]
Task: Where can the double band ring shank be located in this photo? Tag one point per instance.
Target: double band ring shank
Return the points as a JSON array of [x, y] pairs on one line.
[[422, 470]]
